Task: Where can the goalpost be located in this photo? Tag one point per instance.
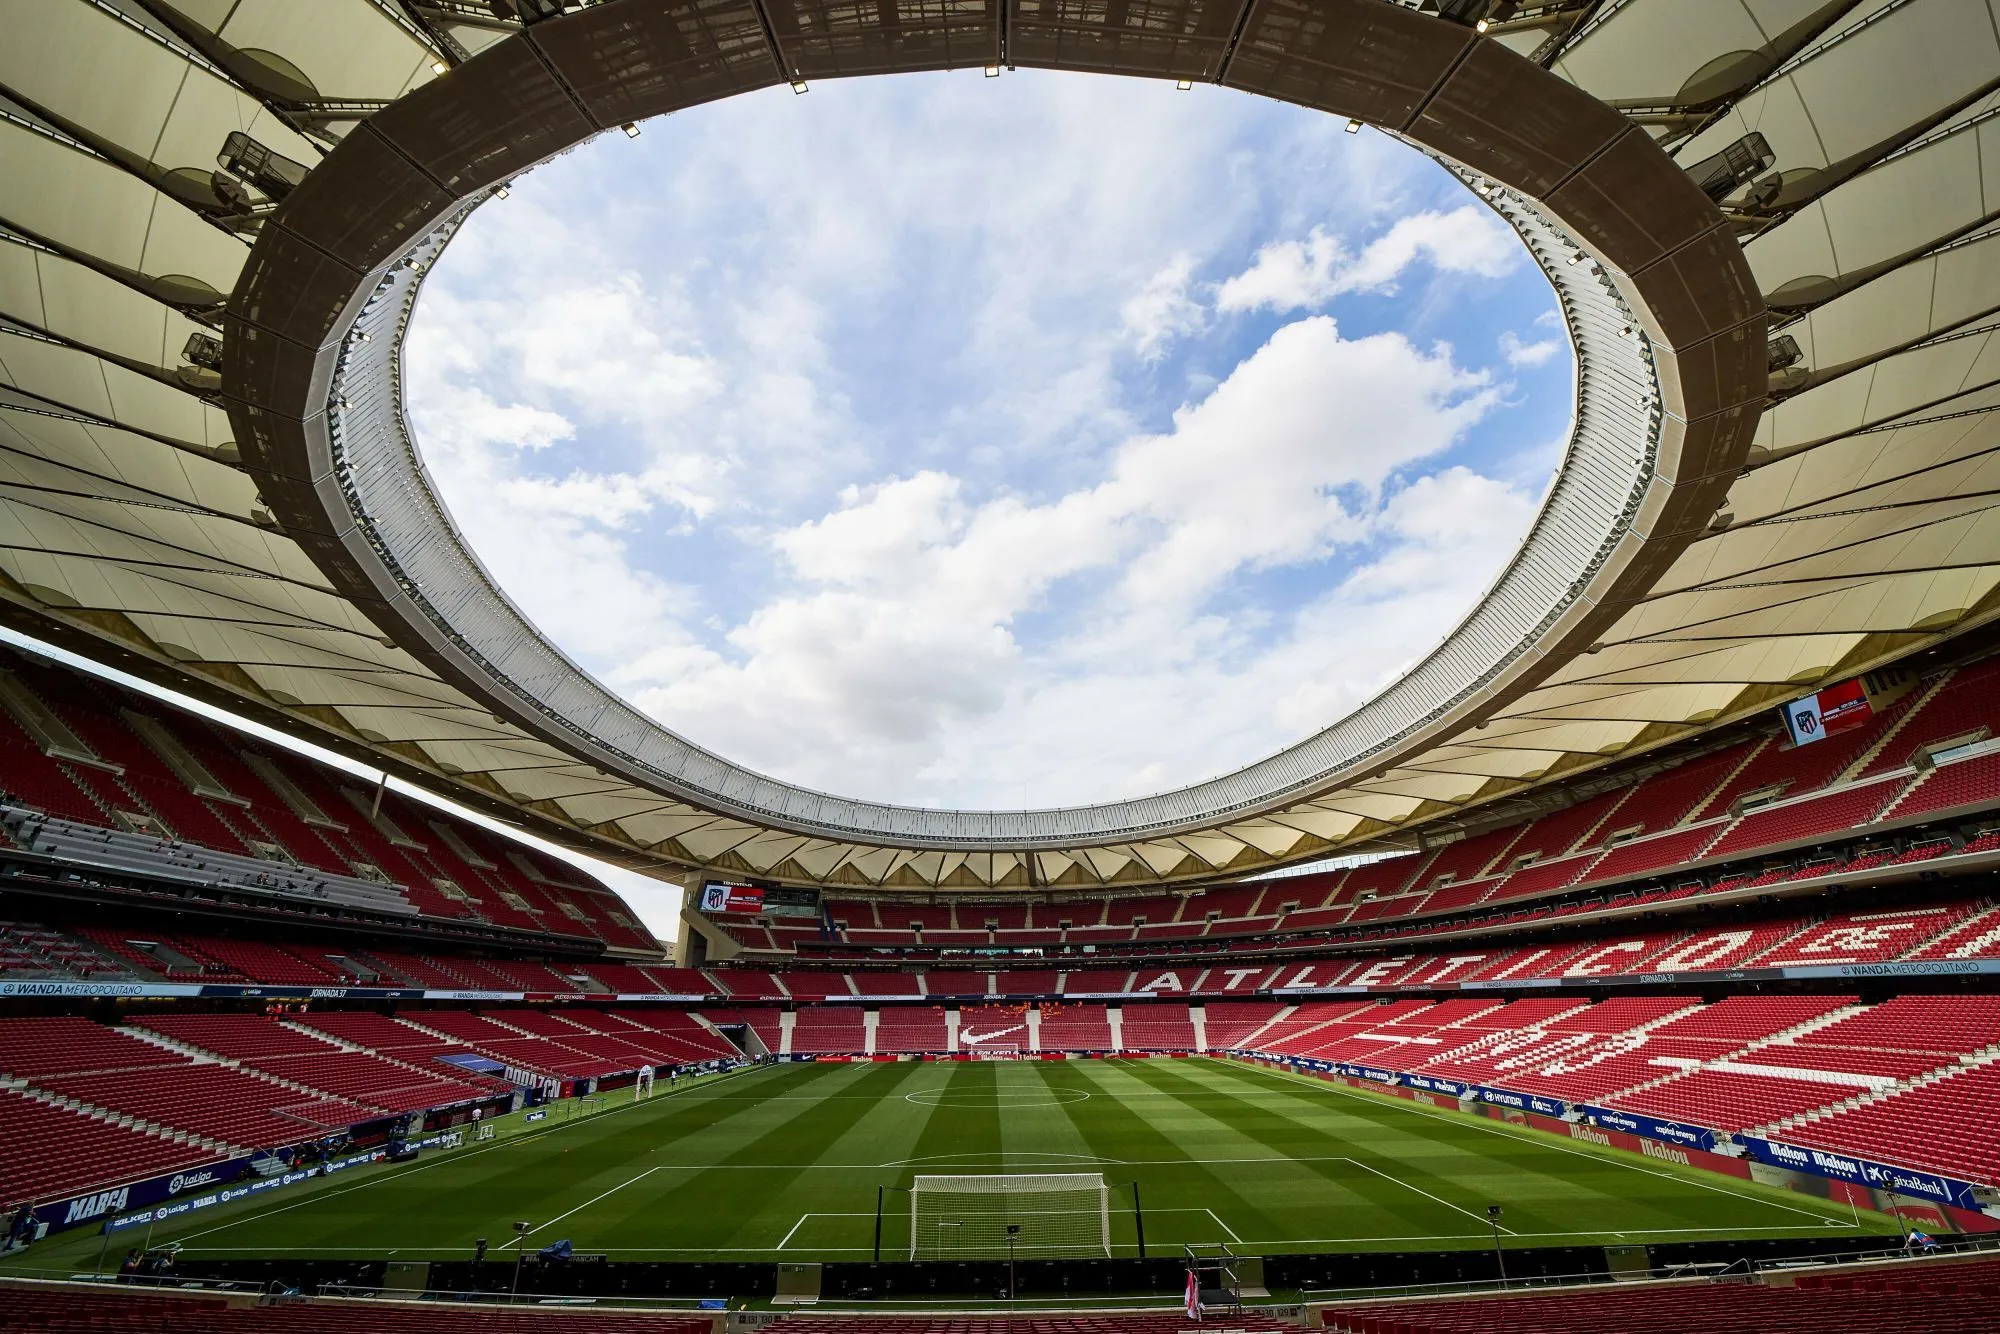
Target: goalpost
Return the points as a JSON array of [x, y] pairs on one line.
[[1033, 1216]]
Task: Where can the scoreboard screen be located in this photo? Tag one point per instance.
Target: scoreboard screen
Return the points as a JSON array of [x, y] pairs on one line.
[[720, 898]]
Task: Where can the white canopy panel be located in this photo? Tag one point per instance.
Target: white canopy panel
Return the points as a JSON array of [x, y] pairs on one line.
[[144, 143]]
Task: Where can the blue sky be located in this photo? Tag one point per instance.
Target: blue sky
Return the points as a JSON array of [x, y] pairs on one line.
[[991, 442]]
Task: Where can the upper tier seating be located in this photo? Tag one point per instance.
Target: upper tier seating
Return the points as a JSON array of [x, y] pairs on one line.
[[190, 863], [740, 985], [1963, 707], [243, 1036], [1942, 1024], [374, 1031], [69, 1044], [83, 760], [28, 950]]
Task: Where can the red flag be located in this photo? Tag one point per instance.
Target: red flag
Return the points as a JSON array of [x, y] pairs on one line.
[[1193, 1296]]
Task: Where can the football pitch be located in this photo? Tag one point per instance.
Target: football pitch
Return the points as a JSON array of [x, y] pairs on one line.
[[786, 1162]]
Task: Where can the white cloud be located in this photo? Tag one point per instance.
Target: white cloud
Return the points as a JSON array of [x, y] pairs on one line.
[[1304, 275], [828, 451], [1532, 354], [898, 653], [1163, 309]]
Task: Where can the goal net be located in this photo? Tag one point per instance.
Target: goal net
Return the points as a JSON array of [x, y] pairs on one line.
[[969, 1217]]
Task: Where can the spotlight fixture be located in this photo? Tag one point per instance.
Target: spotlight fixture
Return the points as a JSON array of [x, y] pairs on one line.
[[631, 128], [798, 85], [992, 71], [1482, 25], [1354, 127], [1185, 84], [499, 192], [439, 67]]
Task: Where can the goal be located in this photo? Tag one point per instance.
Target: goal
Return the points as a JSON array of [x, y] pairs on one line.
[[969, 1217]]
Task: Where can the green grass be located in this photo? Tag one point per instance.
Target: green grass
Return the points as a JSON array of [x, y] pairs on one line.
[[784, 1163]]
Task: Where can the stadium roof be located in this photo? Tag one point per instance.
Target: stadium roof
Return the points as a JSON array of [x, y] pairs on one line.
[[215, 215]]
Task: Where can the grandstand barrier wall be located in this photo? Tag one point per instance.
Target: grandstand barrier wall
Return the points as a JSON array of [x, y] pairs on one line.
[[1958, 1206], [159, 1198]]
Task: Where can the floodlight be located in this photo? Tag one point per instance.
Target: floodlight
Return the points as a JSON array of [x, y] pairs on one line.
[[1185, 84], [631, 128], [1353, 126], [992, 71], [500, 192], [439, 67], [798, 85], [1482, 25]]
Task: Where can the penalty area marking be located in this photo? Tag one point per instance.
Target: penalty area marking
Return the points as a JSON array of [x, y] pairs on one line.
[[512, 1141], [1005, 1156], [1390, 1177]]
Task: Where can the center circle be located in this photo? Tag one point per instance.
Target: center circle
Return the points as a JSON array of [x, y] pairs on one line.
[[1006, 1098]]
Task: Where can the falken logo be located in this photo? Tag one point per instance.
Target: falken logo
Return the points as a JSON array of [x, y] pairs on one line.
[[188, 1181], [95, 1206]]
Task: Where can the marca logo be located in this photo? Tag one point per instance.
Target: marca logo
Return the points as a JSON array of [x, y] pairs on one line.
[[1663, 1152], [94, 1206], [188, 1181], [1589, 1134]]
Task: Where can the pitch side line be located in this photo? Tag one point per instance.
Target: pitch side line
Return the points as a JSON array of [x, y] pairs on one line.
[[1560, 1147], [1487, 1237]]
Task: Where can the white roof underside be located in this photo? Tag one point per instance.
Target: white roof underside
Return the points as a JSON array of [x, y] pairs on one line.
[[1863, 529]]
